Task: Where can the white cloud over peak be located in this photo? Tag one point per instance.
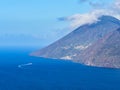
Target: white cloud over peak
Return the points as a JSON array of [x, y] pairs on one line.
[[76, 20], [87, 18]]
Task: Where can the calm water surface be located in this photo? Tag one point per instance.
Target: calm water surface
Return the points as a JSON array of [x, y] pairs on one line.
[[19, 71]]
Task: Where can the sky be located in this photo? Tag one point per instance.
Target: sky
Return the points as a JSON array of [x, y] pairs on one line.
[[41, 22]]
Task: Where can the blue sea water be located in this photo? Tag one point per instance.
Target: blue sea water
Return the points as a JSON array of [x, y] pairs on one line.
[[19, 71]]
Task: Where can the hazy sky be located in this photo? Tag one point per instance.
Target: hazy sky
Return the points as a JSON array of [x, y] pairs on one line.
[[40, 22]]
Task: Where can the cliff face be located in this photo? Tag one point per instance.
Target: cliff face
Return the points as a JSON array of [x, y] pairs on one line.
[[75, 44], [104, 53]]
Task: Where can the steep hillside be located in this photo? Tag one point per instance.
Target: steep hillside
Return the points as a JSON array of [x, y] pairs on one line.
[[70, 46], [104, 53]]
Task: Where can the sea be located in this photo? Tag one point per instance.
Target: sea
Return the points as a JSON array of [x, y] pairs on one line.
[[20, 71]]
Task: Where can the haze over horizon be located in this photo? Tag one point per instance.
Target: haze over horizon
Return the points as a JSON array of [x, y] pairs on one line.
[[59, 44], [39, 23]]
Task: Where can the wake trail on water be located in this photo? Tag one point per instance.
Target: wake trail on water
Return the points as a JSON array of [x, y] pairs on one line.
[[23, 65]]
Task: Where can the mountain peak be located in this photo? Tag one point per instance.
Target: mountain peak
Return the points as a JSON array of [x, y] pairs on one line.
[[105, 18], [74, 44]]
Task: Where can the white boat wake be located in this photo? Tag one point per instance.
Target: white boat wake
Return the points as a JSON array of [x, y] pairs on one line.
[[23, 65]]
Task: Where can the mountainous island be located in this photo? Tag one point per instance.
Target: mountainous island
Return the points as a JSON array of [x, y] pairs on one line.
[[96, 44]]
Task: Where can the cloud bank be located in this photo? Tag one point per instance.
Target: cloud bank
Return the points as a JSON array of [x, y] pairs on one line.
[[98, 9]]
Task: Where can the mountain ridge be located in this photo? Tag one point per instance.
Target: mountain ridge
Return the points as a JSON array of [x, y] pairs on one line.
[[72, 45]]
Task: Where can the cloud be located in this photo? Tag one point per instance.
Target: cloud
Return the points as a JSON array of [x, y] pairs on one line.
[[83, 1], [93, 3], [97, 4], [77, 20], [116, 5], [81, 19], [62, 19]]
